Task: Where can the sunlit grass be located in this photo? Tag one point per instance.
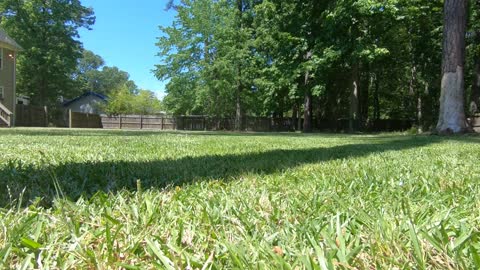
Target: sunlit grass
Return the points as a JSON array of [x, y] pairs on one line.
[[143, 200]]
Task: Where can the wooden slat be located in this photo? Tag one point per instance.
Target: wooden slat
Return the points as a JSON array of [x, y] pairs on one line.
[[475, 122]]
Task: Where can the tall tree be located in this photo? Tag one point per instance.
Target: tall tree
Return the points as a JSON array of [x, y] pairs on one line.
[[207, 55], [92, 75], [452, 110], [48, 32]]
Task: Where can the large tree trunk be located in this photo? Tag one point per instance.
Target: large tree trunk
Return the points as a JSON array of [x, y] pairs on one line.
[[452, 112], [354, 100], [475, 95]]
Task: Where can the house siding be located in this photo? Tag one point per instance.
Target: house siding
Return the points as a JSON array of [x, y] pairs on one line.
[[89, 104], [7, 79]]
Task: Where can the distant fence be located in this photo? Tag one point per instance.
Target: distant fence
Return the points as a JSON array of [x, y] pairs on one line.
[[36, 116], [260, 124], [194, 123], [138, 122], [475, 123], [31, 116], [83, 120]]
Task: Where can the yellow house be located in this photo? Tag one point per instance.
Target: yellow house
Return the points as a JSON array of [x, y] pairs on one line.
[[8, 51]]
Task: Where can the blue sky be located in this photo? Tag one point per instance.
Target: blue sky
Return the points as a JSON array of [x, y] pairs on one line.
[[124, 35]]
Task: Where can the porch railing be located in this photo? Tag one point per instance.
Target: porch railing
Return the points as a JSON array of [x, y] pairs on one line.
[[6, 116]]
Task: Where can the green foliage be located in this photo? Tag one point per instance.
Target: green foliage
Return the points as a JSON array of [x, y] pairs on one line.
[[120, 102], [207, 56], [146, 103], [142, 200], [48, 32], [93, 75], [123, 101]]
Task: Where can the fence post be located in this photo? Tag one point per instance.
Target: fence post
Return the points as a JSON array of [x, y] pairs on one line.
[[141, 121], [120, 121], [70, 118], [162, 123]]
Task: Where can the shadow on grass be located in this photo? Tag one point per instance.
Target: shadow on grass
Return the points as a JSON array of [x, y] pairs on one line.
[[41, 132], [77, 179], [61, 132]]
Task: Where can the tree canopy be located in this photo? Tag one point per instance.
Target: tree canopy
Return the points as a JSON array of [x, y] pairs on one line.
[[48, 33], [93, 75], [361, 60]]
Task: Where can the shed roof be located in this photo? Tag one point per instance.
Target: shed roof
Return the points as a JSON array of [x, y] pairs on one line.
[[8, 42], [86, 94]]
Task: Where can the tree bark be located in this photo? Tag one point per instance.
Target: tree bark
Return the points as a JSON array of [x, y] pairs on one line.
[[452, 112], [354, 100]]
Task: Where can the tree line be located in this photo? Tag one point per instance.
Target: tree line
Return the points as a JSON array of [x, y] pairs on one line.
[[54, 64], [360, 60]]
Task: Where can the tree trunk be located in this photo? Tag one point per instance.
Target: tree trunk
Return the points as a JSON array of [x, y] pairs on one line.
[[238, 102], [238, 108], [475, 95], [452, 112], [376, 97], [307, 113], [419, 113], [294, 116], [364, 95], [354, 100]]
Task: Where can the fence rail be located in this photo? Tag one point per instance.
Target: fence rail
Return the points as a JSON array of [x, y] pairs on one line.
[[260, 124], [83, 120], [138, 122]]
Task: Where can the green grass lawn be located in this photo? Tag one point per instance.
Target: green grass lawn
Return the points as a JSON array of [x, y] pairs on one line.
[[79, 199]]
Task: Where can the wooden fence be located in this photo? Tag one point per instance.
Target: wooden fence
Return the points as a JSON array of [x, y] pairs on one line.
[[475, 123], [204, 123], [31, 116], [195, 123], [138, 122], [83, 120], [260, 124]]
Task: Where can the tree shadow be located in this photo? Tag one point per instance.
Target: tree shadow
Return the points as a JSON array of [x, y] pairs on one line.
[[88, 178], [62, 132]]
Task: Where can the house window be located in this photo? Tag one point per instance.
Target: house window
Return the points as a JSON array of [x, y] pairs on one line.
[[2, 92]]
